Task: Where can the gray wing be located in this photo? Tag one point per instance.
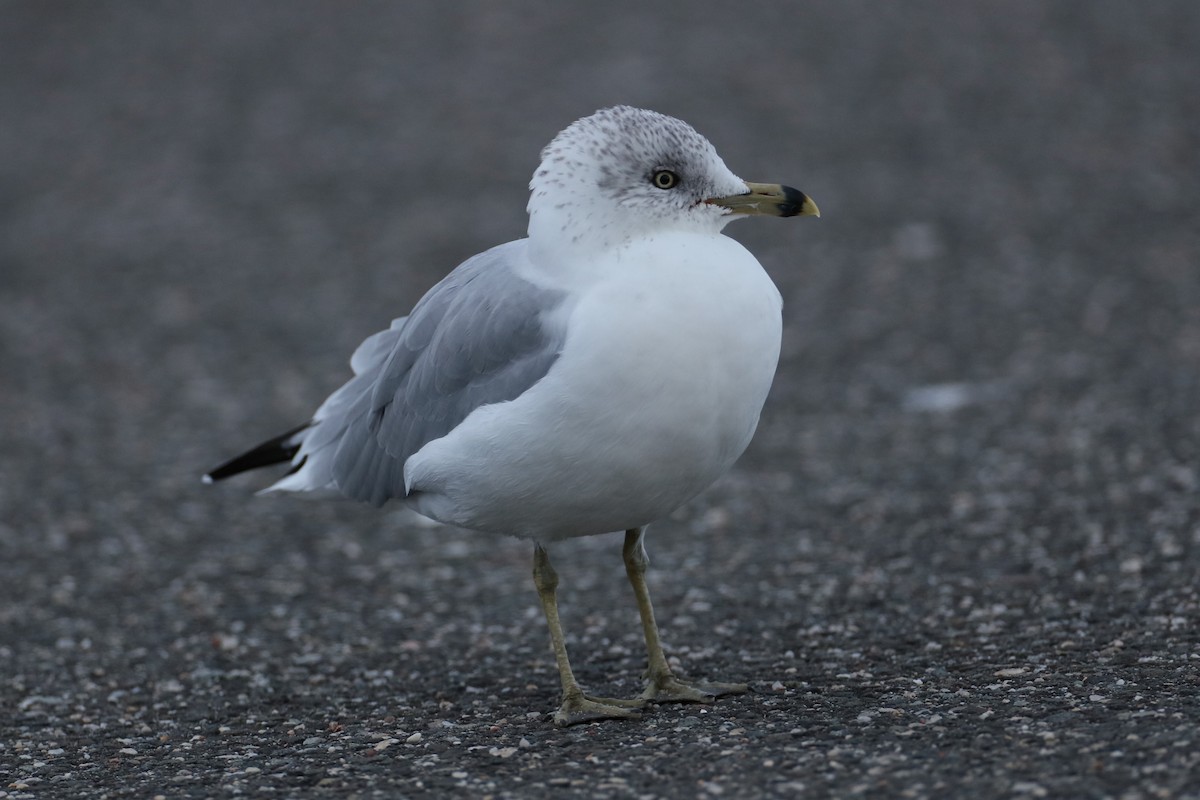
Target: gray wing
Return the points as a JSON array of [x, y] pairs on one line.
[[478, 337]]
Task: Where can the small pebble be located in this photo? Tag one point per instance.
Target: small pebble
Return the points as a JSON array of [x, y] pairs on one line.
[[1011, 672]]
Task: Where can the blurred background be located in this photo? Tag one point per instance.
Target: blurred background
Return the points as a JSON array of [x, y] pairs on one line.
[[986, 402]]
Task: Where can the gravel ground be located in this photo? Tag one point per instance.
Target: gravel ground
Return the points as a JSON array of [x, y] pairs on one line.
[[960, 557]]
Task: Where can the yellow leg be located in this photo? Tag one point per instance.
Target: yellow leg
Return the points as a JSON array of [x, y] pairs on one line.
[[576, 706], [661, 685]]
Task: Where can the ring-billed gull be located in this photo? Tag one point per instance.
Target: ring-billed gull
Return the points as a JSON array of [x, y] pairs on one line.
[[587, 379]]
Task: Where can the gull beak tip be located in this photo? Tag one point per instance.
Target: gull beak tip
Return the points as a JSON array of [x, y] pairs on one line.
[[796, 203]]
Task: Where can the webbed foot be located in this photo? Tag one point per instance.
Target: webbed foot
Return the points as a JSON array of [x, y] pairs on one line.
[[577, 708], [669, 689]]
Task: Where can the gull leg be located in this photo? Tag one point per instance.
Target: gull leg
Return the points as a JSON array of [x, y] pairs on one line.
[[661, 685], [576, 706]]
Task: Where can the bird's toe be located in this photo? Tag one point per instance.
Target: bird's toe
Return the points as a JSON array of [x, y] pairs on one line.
[[669, 689], [577, 709]]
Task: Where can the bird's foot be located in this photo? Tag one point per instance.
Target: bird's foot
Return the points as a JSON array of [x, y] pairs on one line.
[[578, 707], [669, 689]]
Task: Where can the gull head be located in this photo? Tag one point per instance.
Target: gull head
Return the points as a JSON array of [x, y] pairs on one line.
[[627, 172]]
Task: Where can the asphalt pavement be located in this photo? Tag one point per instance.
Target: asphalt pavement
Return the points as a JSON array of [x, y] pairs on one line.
[[960, 559]]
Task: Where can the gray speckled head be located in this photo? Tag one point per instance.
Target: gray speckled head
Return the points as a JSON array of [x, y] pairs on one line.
[[602, 179]]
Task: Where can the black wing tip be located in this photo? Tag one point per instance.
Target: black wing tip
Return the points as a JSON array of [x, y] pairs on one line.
[[276, 450]]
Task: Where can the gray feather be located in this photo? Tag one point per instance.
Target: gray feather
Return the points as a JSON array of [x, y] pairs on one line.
[[478, 337]]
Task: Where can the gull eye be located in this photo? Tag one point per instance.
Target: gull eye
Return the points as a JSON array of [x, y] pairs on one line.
[[664, 179]]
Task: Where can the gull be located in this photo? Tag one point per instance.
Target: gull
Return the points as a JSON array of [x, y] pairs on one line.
[[590, 378]]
